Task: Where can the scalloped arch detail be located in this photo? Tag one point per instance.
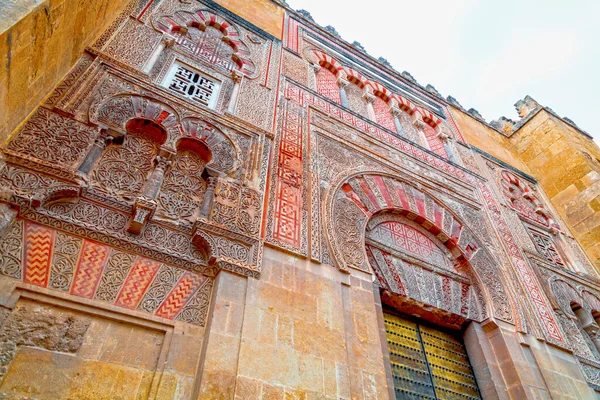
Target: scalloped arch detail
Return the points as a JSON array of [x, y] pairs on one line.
[[180, 21]]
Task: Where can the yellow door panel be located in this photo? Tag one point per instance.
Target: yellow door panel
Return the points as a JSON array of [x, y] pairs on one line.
[[428, 363]]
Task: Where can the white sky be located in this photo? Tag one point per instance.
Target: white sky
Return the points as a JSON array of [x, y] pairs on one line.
[[486, 54]]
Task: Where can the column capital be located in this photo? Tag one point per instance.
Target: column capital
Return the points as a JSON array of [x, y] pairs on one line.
[[236, 76], [168, 40], [369, 97], [342, 83], [418, 123], [444, 137], [162, 162], [396, 111]]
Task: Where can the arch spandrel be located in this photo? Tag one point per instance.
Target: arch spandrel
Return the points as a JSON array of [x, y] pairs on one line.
[[354, 200]]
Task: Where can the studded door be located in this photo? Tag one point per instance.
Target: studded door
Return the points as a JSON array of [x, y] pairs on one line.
[[427, 363]]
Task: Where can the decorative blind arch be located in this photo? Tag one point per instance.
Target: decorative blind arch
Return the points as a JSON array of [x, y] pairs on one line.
[[116, 111], [359, 196], [523, 200], [225, 49]]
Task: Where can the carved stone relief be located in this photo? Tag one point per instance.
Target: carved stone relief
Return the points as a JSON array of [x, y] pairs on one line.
[[53, 138]]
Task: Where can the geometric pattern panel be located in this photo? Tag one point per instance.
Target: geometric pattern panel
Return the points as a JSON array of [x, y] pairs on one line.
[[411, 281], [327, 85], [383, 115], [55, 260], [545, 246], [525, 275], [288, 199], [434, 142], [406, 238], [53, 138]]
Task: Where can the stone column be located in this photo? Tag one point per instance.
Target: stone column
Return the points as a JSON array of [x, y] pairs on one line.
[[445, 139], [145, 204], [396, 113], [209, 196], [104, 139], [166, 41], [236, 76], [342, 83], [369, 98], [153, 184]]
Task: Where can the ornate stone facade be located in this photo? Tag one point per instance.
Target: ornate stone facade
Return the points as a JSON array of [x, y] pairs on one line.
[[209, 207]]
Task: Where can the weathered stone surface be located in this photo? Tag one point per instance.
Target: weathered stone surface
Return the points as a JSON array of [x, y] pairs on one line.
[[214, 204], [39, 326]]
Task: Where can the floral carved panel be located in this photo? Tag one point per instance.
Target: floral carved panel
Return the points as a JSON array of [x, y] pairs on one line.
[[53, 138], [183, 187], [123, 169]]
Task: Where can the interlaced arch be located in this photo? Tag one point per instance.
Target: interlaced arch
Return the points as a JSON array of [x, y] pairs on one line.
[[209, 36], [523, 200]]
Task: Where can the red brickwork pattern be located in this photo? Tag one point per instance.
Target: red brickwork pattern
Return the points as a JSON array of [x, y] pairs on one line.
[[180, 295], [327, 85], [137, 282], [434, 142], [383, 115], [38, 254], [92, 259]]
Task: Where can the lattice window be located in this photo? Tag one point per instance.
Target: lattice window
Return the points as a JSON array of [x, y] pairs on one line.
[[546, 248], [383, 115], [209, 46], [191, 84], [327, 85], [435, 143]]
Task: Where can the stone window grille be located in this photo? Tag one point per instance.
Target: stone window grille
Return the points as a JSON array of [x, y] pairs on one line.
[[193, 85], [547, 249]]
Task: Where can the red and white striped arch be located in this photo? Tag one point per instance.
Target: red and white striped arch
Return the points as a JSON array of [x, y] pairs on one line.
[[380, 91], [429, 118], [355, 77], [404, 104], [328, 62]]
